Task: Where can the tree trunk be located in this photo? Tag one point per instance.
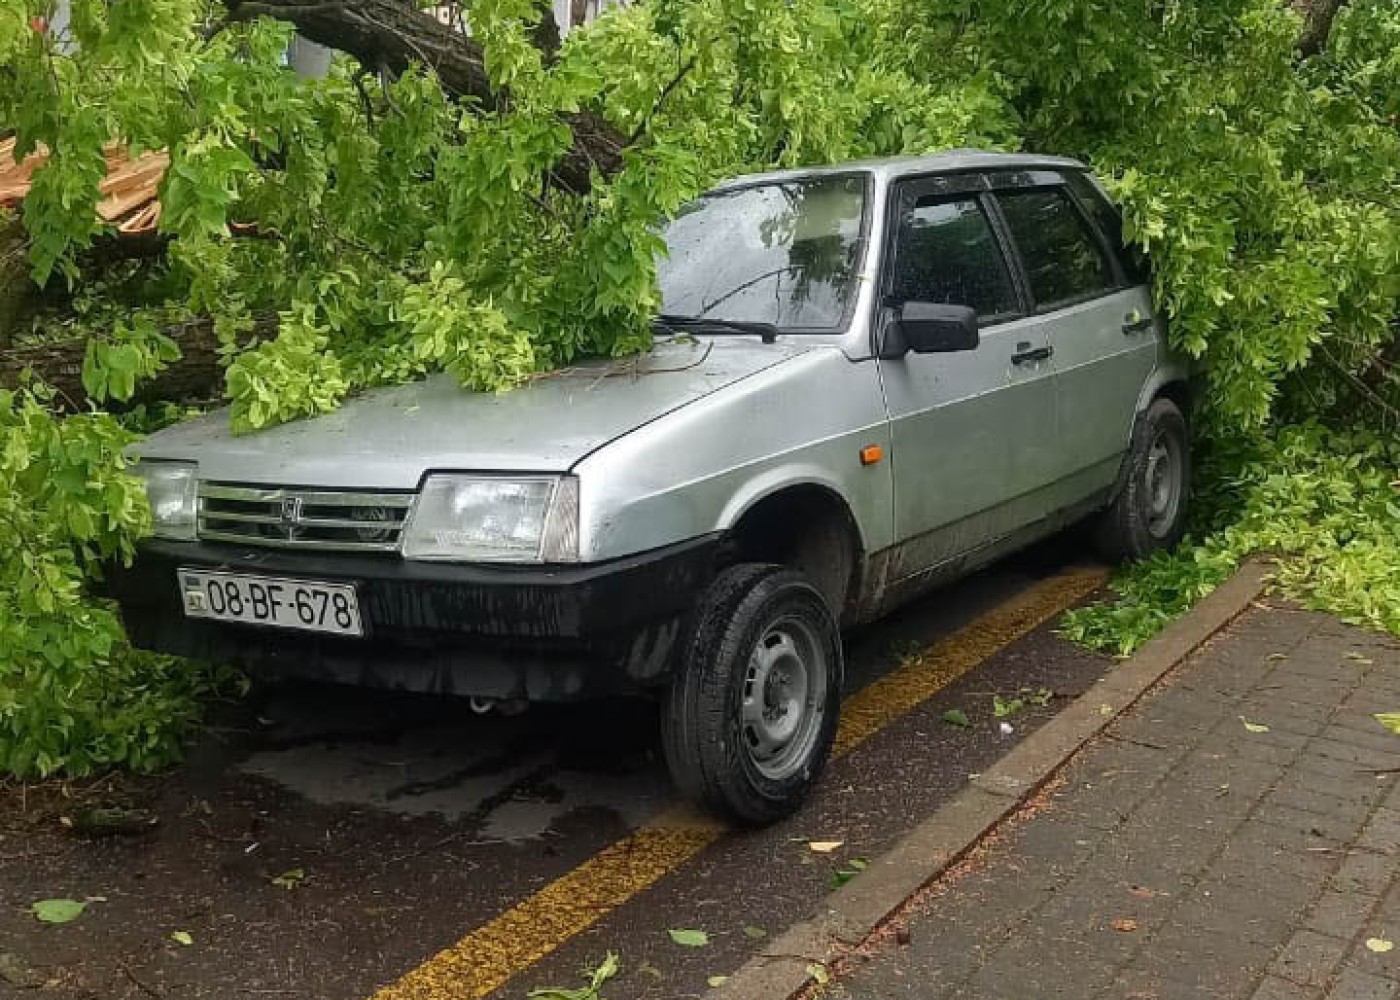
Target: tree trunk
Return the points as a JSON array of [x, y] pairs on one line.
[[16, 290], [389, 35], [196, 376], [1318, 17]]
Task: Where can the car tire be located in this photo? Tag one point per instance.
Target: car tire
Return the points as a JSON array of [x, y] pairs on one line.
[[1149, 513], [750, 717]]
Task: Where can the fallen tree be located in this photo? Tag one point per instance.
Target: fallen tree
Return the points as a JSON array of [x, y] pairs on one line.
[[486, 204]]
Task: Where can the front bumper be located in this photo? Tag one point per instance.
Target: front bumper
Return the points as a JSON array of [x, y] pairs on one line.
[[545, 633]]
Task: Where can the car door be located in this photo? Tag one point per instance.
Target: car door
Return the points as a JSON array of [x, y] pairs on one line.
[[1098, 321], [969, 428]]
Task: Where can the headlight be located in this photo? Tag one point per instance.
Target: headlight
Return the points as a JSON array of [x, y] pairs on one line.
[[521, 519], [171, 488]]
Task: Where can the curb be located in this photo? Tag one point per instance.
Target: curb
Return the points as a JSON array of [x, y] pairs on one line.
[[855, 911]]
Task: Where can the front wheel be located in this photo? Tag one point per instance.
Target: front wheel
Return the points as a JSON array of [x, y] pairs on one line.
[[750, 717], [1149, 514]]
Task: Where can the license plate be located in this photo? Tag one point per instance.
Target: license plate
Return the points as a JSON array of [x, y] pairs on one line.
[[263, 600]]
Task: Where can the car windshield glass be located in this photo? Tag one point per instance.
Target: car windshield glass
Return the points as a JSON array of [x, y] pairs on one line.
[[781, 253]]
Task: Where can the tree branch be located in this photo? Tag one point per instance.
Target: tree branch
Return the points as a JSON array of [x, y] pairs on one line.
[[391, 35], [1318, 17]]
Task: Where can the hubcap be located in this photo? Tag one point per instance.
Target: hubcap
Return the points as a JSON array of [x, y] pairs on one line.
[[1163, 479], [784, 698]]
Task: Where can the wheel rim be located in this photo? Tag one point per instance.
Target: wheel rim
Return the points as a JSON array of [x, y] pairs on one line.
[[1164, 482], [784, 698]]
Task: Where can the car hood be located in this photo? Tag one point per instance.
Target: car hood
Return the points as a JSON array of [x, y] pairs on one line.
[[388, 438]]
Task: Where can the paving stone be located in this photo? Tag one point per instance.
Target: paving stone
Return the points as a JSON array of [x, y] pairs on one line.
[[1308, 798], [1341, 914], [1274, 988], [1217, 967], [1382, 832], [1378, 740], [1309, 958], [1364, 873], [1341, 829], [1353, 984], [1222, 915], [1383, 964], [1362, 758]]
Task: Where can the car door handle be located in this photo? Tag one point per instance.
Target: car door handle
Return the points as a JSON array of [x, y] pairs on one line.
[[1135, 322], [1025, 354]]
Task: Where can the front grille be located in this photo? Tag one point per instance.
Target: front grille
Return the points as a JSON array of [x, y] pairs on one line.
[[329, 520]]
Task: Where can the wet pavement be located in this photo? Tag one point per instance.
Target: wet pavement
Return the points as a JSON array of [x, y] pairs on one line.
[[516, 849]]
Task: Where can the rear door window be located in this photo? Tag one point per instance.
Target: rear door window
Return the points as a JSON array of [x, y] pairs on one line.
[[946, 252], [1065, 262], [1110, 223]]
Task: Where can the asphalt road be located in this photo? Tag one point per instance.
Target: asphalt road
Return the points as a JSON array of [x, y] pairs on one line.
[[445, 855]]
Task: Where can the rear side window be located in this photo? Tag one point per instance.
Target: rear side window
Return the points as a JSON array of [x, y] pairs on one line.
[[946, 252], [1110, 223], [1064, 259]]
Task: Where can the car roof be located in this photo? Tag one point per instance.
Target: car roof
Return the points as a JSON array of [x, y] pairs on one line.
[[891, 167]]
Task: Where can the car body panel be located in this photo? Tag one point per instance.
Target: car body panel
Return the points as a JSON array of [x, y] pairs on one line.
[[1100, 369], [699, 468], [973, 418], [389, 438]]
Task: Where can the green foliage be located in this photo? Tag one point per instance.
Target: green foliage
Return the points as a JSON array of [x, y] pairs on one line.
[[1326, 501], [73, 695]]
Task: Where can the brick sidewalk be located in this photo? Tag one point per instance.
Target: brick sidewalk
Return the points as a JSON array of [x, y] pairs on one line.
[[1183, 855]]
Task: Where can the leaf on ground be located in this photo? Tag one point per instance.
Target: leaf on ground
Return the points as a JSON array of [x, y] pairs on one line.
[[57, 911], [609, 967], [819, 973], [1379, 945], [1105, 709], [689, 938], [289, 879], [957, 717], [715, 981], [1275, 657], [1003, 707], [17, 972], [824, 846], [182, 937], [1125, 924], [1358, 658], [1254, 727], [1391, 721], [754, 933], [848, 871]]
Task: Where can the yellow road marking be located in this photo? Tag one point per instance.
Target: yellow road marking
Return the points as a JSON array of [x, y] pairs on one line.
[[500, 949]]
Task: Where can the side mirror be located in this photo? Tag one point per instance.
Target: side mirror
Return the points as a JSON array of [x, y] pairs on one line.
[[930, 328]]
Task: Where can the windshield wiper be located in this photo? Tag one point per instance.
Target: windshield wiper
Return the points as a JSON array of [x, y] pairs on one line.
[[768, 331]]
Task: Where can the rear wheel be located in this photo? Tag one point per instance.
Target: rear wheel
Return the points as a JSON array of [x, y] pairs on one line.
[[1149, 514], [751, 715]]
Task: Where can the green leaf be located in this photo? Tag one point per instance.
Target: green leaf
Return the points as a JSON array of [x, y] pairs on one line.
[[716, 981], [182, 937], [957, 717], [1391, 721], [289, 879], [57, 911], [754, 933], [688, 938]]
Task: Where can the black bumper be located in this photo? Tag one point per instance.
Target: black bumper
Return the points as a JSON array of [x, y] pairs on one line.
[[546, 633]]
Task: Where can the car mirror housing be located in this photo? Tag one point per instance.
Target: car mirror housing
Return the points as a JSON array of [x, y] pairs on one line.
[[930, 328]]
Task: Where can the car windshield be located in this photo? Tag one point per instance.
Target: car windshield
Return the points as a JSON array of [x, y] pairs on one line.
[[783, 253]]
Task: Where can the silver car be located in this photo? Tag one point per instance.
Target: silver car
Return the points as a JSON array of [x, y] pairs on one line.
[[867, 379]]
